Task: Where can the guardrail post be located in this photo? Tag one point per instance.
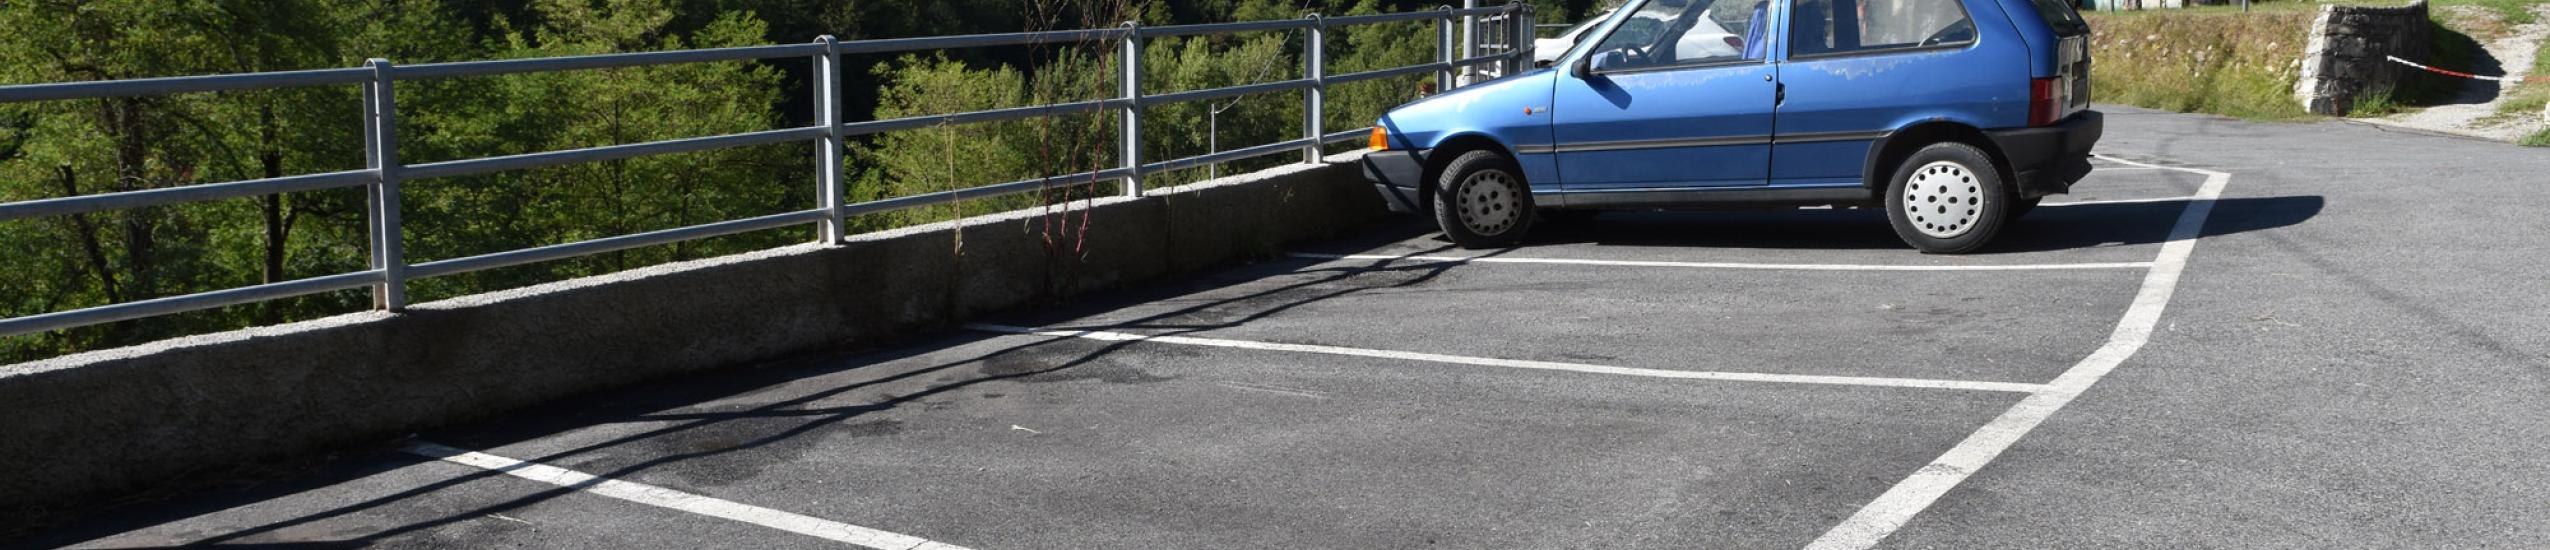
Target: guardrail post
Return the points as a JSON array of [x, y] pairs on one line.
[[1315, 67], [828, 159], [1513, 36], [380, 140], [1443, 50], [1527, 39], [1469, 41], [1129, 82]]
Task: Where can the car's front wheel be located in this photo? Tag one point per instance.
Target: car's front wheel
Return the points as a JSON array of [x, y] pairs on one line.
[[1482, 202], [1947, 198]]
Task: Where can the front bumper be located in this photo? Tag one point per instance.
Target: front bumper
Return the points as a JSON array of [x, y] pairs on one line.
[[1397, 175], [2047, 160]]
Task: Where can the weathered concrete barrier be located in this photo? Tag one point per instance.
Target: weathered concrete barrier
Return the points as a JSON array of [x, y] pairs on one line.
[[112, 422], [2346, 60]]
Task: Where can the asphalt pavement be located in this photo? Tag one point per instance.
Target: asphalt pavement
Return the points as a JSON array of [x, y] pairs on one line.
[[2346, 348]]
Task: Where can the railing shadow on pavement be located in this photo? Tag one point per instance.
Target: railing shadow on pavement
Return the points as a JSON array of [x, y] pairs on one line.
[[651, 402]]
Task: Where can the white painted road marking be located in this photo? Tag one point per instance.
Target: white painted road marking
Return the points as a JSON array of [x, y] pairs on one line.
[[677, 500], [2119, 201], [1521, 364], [1908, 498], [1728, 265]]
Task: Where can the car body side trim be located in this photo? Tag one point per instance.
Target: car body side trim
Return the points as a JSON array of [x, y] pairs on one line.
[[1626, 145], [1818, 137], [1671, 197]]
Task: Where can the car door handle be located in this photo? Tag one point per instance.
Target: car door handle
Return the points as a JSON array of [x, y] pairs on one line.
[[1781, 95]]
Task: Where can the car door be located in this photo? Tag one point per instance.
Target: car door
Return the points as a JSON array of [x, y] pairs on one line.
[[1857, 69], [1676, 96]]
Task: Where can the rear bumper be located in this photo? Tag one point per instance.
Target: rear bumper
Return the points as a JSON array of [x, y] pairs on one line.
[[2047, 160], [1396, 175]]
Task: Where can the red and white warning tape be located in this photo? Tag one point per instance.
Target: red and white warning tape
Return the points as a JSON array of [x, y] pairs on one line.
[[2534, 78]]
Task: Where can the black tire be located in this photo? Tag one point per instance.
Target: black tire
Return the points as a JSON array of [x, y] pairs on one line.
[[2019, 208], [1481, 201], [1947, 198]]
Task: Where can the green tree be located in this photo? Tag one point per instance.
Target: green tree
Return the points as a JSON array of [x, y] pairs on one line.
[[65, 148], [514, 114]]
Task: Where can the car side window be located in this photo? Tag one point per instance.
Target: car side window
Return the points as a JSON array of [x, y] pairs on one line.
[[1823, 27], [1666, 33]]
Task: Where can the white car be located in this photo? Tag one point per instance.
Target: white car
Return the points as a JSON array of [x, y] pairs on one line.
[[1706, 38]]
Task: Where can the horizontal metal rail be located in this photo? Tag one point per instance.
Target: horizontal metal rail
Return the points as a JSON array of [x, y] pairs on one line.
[[1483, 60], [1387, 73], [1428, 15], [994, 190], [607, 244], [603, 61], [1225, 28], [1233, 91], [891, 45], [83, 204], [179, 304], [608, 152], [390, 271], [1227, 156], [181, 85], [1014, 113]]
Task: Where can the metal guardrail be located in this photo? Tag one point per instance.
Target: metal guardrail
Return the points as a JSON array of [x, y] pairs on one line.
[[383, 173]]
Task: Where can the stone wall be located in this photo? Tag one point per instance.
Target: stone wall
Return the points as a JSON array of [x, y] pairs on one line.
[[2347, 59]]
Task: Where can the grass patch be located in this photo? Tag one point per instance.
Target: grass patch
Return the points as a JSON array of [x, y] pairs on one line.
[[2377, 104], [2524, 100], [2207, 60], [2528, 98], [2514, 12]]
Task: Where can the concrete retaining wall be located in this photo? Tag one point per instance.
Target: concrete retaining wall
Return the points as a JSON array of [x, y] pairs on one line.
[[113, 422], [2346, 59]]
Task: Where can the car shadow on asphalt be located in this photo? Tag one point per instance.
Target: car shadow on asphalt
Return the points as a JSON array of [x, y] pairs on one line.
[[674, 400], [2049, 228]]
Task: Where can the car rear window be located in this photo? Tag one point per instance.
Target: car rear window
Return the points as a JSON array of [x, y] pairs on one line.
[[1827, 27], [2061, 15]]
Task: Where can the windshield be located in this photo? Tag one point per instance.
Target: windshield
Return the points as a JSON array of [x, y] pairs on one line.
[[1570, 34], [1592, 24]]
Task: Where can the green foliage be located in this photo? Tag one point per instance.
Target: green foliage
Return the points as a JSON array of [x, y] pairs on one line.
[[66, 148], [472, 118], [946, 157]]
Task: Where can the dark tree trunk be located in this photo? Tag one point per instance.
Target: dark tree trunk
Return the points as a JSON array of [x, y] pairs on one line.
[[96, 251]]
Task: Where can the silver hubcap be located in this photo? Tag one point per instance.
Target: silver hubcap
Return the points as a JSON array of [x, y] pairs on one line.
[[1943, 200], [1489, 203]]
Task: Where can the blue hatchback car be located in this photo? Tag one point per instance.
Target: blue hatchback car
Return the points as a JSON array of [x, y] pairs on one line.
[[1956, 116]]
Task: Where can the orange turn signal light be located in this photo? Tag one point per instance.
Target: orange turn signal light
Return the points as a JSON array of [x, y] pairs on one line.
[[1380, 139]]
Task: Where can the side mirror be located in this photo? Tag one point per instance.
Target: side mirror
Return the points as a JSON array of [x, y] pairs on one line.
[[1609, 61]]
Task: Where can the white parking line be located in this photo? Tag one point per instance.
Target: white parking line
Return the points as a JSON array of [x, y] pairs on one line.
[[1521, 364], [2119, 201], [677, 500], [1727, 265], [1926, 484]]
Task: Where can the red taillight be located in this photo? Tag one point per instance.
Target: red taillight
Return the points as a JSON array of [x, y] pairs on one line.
[[2045, 101]]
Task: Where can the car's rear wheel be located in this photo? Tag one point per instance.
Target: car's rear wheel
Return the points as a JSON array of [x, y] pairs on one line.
[[1947, 198], [1481, 201]]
